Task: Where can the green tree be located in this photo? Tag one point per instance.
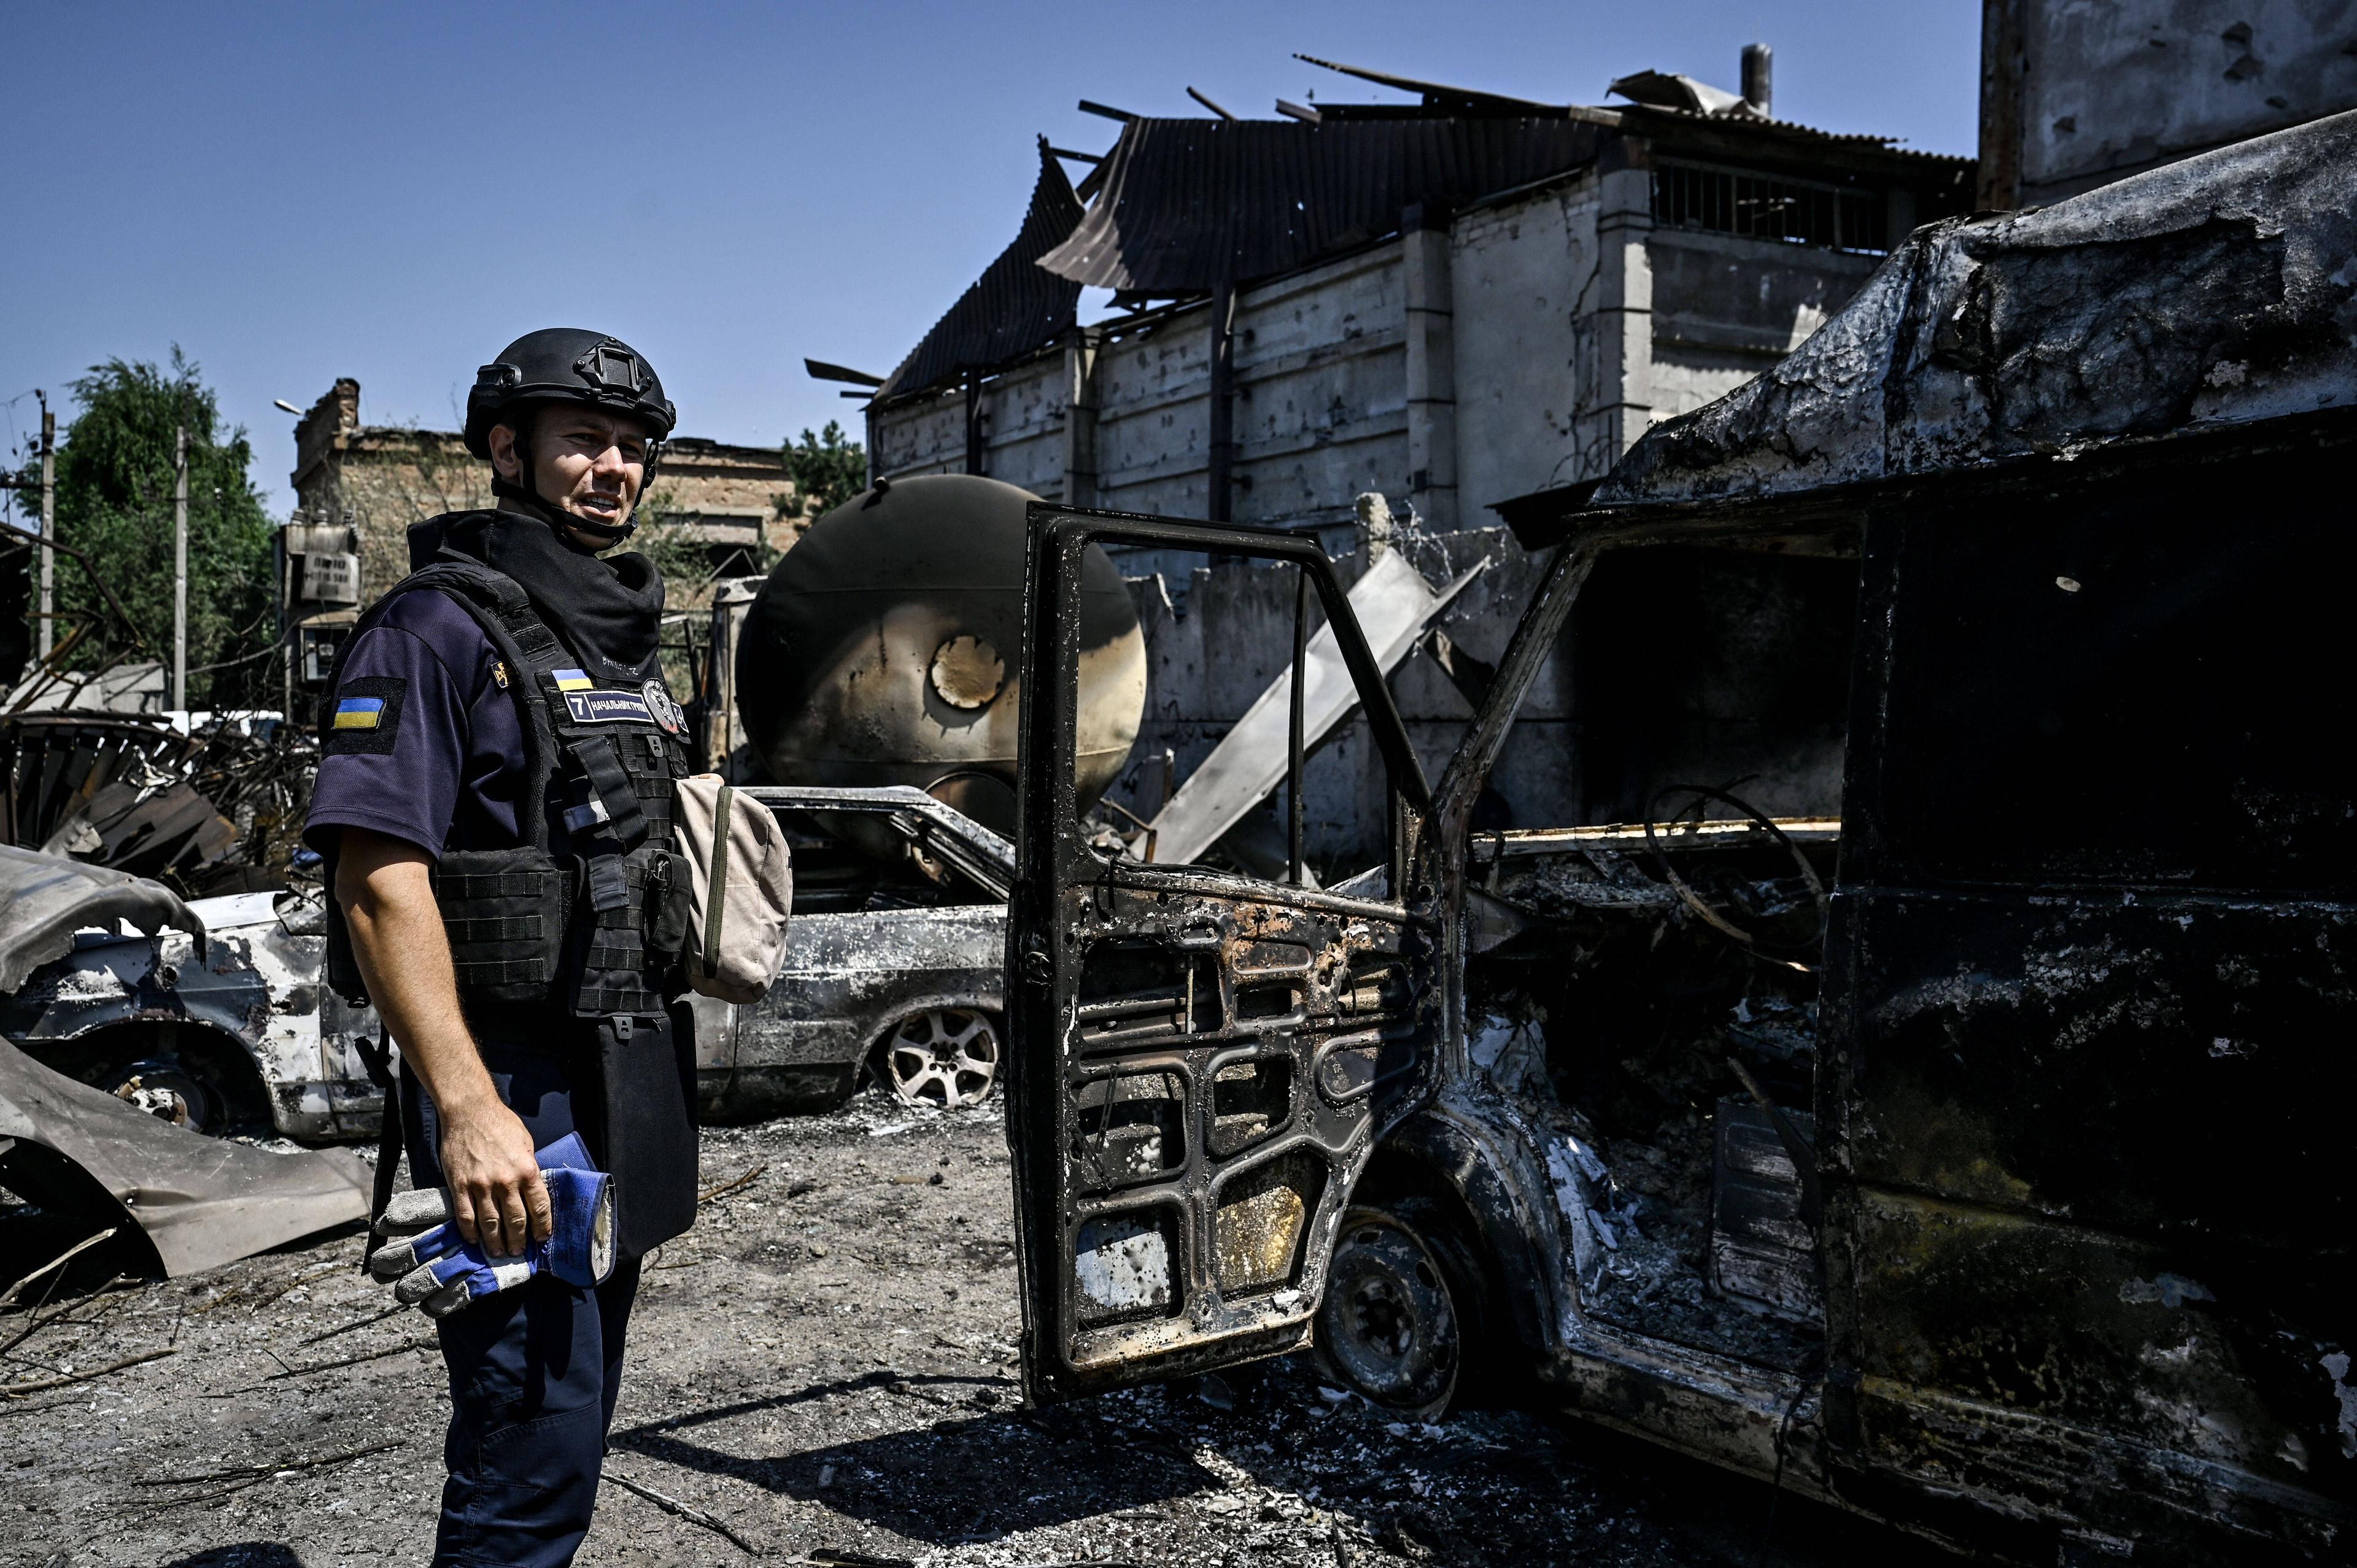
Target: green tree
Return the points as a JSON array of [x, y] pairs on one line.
[[827, 471], [115, 472]]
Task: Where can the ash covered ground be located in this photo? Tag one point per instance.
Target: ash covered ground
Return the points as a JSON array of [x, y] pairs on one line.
[[826, 1368]]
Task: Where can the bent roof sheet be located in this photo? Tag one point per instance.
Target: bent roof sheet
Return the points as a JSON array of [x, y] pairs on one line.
[[1187, 203], [1014, 307], [2219, 290]]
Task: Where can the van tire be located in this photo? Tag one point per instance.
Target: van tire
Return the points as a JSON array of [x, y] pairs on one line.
[[1404, 1305]]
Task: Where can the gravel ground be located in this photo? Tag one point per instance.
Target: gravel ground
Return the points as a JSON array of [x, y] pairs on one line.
[[824, 1370]]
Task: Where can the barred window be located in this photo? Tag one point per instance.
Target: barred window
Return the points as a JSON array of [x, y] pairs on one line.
[[1728, 201]]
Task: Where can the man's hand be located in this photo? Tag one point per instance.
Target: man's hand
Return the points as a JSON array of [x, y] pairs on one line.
[[386, 888], [432, 1268], [496, 1196]]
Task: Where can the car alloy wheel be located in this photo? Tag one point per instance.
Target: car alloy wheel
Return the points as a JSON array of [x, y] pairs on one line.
[[945, 1058]]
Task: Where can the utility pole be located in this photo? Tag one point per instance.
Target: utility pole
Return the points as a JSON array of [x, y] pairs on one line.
[[48, 522], [180, 575]]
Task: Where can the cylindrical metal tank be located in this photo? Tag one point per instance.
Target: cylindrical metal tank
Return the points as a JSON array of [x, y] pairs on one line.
[[884, 647]]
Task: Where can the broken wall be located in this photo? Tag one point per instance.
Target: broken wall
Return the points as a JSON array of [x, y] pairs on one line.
[[1320, 412], [1521, 344], [2077, 93], [381, 479]]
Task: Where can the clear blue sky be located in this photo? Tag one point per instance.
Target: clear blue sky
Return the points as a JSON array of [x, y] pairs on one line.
[[293, 193]]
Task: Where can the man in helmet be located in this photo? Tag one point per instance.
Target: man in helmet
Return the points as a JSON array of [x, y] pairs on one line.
[[493, 806]]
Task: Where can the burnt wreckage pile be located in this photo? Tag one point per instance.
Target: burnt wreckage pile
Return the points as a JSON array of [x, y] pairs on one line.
[[216, 810]]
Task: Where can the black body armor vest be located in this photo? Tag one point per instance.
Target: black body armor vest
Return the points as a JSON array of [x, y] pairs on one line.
[[586, 913]]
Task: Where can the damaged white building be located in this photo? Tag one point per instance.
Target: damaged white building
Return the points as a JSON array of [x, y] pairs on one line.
[[1446, 301]]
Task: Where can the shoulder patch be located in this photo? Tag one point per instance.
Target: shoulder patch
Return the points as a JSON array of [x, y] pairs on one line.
[[367, 716]]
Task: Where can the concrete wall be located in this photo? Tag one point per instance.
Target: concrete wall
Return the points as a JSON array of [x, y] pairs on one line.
[[2076, 93], [1525, 345], [1526, 277]]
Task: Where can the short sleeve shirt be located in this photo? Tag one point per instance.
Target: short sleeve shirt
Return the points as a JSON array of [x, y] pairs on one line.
[[425, 743]]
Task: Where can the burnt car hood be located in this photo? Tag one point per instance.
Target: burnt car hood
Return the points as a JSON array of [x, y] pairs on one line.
[[199, 1202], [49, 897]]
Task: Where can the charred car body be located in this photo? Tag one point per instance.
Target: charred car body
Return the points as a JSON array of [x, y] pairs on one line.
[[1973, 1155], [893, 965]]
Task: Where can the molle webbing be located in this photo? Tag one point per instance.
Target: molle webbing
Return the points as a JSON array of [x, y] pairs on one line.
[[636, 920], [505, 912]]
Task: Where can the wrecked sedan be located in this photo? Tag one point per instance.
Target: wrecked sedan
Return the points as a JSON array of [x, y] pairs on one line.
[[894, 961], [892, 969], [233, 1031], [1970, 1153]]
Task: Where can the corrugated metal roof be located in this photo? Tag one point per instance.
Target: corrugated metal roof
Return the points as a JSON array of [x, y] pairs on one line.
[[1636, 115], [1013, 307], [1188, 202]]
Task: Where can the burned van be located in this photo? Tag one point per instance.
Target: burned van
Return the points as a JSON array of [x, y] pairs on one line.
[[1922, 1083]]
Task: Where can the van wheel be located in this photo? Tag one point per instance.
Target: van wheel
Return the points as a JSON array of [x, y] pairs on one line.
[[946, 1057], [1401, 1301]]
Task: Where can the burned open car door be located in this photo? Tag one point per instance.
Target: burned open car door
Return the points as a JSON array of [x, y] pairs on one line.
[[1202, 1060]]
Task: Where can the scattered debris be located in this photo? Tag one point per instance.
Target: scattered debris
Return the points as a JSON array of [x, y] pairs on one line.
[[724, 1188], [389, 1351], [216, 807], [61, 1260], [692, 1515], [244, 1476], [39, 1385]]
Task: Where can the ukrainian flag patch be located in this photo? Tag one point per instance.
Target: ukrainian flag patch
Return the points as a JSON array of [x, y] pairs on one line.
[[366, 717], [572, 680]]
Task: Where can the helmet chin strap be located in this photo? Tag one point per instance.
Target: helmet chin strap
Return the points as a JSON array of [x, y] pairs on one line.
[[556, 516]]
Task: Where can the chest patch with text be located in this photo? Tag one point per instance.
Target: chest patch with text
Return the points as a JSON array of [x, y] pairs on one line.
[[605, 707]]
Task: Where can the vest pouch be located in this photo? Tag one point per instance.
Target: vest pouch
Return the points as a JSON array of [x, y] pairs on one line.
[[669, 903], [504, 911], [623, 966]]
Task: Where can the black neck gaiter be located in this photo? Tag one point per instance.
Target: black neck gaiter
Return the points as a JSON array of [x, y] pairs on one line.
[[607, 610]]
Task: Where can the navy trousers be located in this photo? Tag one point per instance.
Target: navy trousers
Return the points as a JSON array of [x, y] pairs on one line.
[[534, 1370]]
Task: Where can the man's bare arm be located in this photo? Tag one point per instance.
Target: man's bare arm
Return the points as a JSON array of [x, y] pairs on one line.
[[386, 889]]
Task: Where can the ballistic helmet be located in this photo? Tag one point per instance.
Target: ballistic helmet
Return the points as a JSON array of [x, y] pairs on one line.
[[565, 364]]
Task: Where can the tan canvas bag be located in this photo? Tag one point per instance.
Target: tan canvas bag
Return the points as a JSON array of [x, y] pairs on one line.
[[741, 888]]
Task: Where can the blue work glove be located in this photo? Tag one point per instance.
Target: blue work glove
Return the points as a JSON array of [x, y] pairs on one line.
[[440, 1271]]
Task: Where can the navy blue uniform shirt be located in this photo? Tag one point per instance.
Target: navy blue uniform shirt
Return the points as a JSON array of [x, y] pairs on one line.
[[426, 746]]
